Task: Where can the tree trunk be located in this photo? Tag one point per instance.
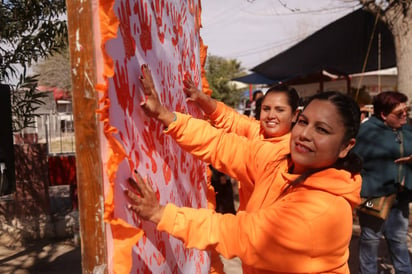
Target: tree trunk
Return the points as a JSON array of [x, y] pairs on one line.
[[401, 28], [398, 17]]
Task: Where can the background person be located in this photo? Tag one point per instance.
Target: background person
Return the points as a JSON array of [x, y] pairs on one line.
[[250, 105], [256, 96], [258, 108], [224, 192], [382, 139]]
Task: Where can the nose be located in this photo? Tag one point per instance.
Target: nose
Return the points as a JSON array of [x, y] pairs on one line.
[[272, 114], [305, 133]]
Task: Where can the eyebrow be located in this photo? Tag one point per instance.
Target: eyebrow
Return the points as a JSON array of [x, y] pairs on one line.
[[276, 105], [319, 122]]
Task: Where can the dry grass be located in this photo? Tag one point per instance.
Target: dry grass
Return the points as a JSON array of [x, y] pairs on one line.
[[63, 145]]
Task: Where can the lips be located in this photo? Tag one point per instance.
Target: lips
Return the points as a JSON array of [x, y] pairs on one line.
[[271, 124], [299, 147]]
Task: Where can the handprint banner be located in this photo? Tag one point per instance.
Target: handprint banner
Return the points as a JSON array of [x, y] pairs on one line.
[[165, 35]]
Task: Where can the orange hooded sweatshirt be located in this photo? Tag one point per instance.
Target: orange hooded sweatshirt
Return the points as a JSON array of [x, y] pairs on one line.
[[228, 119], [306, 229]]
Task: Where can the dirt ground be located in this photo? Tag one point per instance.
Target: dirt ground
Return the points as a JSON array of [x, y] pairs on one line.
[[42, 257], [63, 257]]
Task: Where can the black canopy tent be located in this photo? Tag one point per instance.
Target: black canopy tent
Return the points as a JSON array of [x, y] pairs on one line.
[[255, 79], [339, 48]]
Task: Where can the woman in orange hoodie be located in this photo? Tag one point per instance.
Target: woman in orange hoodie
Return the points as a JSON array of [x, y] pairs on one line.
[[279, 110], [299, 216]]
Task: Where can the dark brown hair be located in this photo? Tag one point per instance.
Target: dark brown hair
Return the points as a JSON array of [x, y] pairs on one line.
[[386, 101]]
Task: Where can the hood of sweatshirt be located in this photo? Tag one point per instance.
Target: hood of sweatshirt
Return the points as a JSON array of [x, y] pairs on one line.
[[337, 182]]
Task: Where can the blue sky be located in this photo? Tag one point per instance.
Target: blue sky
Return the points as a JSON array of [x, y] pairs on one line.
[[254, 31]]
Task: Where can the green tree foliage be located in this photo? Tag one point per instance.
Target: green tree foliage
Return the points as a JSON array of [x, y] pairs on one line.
[[25, 100], [29, 30], [219, 72]]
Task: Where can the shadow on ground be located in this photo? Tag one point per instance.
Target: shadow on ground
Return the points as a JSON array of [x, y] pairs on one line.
[[41, 257]]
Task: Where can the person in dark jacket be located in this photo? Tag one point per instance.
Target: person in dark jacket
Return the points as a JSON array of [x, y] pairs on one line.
[[224, 192], [384, 143]]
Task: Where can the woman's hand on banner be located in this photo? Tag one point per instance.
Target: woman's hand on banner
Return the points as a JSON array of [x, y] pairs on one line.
[[151, 104], [207, 104], [142, 200]]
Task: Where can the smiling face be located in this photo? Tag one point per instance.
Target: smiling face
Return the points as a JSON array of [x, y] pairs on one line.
[[317, 138], [276, 115]]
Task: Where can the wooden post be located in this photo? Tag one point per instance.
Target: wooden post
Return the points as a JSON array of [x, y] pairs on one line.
[[86, 126]]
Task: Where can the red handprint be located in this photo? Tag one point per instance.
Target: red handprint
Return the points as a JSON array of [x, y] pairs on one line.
[[175, 166], [191, 6], [145, 21], [179, 74], [178, 19], [150, 149], [191, 253], [161, 247], [183, 162], [193, 63], [158, 6], [168, 83], [129, 141], [185, 49], [124, 26], [121, 84], [197, 16], [167, 171], [175, 270], [161, 258], [172, 197]]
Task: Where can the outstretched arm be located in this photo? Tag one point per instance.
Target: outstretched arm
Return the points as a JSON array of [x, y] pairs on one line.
[[205, 102], [220, 115], [229, 153], [282, 225]]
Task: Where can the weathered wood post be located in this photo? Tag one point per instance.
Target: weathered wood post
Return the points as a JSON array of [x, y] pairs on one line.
[[86, 125]]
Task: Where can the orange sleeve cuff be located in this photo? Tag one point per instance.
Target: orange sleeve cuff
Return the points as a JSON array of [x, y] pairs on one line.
[[168, 218]]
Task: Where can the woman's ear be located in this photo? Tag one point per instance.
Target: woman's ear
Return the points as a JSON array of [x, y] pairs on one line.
[[345, 150], [383, 116]]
